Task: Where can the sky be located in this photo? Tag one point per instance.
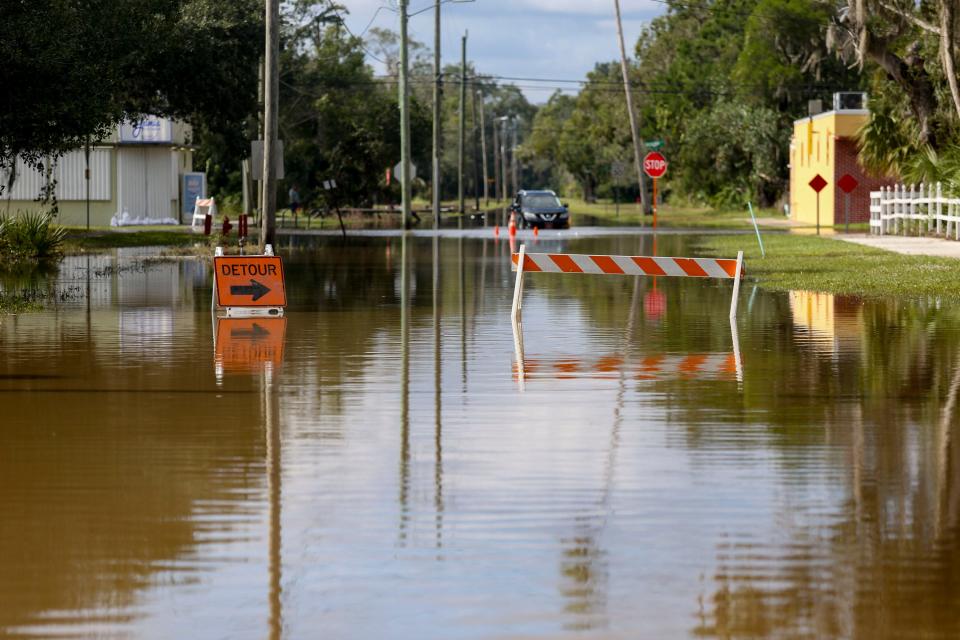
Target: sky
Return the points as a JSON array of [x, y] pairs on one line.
[[555, 39]]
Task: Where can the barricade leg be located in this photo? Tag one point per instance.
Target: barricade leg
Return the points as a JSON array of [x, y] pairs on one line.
[[736, 286], [518, 288]]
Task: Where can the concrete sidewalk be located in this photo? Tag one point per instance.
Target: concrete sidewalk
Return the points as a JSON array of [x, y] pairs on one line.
[[906, 245]]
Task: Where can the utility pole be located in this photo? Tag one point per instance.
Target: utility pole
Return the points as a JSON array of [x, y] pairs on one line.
[[637, 144], [503, 156], [462, 124], [268, 221], [404, 117], [478, 97], [261, 105], [476, 155], [496, 161], [513, 156], [437, 103]]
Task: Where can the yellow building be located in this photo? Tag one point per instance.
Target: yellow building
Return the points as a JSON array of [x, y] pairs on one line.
[[825, 144]]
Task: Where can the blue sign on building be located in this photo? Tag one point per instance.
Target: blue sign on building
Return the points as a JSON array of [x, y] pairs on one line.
[[194, 186]]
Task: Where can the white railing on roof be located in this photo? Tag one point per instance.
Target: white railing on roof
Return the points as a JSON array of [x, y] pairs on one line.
[[914, 210]]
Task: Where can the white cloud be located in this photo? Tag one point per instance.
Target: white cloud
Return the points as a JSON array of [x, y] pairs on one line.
[[592, 7]]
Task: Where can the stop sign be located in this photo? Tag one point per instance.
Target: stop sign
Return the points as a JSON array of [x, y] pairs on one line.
[[654, 164]]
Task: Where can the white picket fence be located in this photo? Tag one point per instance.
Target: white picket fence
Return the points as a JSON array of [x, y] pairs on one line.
[[914, 210]]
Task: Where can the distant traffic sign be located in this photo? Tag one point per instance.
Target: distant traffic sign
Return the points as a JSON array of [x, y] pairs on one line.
[[618, 170], [847, 183], [653, 145], [654, 164], [249, 281], [818, 183], [399, 174]]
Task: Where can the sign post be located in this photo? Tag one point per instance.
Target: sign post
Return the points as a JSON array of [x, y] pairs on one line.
[[654, 165], [618, 171], [848, 183], [817, 184]]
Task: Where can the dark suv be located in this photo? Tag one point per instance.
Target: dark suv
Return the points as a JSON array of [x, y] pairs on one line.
[[540, 209]]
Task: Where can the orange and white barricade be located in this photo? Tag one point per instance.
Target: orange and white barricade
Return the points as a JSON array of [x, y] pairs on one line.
[[202, 208], [723, 268]]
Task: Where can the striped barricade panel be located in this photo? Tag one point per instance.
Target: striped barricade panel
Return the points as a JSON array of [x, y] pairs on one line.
[[523, 262], [628, 265], [652, 367]]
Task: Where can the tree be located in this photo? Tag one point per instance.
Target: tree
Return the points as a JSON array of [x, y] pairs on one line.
[[75, 69], [915, 100], [337, 119]]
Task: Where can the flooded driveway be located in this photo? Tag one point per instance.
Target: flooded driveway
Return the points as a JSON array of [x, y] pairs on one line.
[[377, 465]]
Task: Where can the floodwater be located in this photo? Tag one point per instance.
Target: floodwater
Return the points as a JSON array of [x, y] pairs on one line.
[[374, 465]]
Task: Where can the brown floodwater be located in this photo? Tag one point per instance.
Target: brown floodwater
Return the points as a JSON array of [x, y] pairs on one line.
[[379, 464]]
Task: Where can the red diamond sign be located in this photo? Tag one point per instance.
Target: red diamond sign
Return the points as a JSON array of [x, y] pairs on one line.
[[848, 183], [818, 183]]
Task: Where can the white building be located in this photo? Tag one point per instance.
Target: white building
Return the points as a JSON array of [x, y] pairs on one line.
[[136, 176]]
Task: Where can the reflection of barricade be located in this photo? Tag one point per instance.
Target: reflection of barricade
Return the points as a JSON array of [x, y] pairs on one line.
[[717, 366], [731, 269]]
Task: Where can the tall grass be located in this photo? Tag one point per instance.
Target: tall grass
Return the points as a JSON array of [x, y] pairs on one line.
[[30, 237]]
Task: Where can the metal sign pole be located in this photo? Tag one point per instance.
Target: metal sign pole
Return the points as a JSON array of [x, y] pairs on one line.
[[846, 213], [818, 213], [654, 203]]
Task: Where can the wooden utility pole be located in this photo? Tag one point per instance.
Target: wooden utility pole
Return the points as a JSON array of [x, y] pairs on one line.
[[478, 97], [268, 221], [462, 124], [476, 154], [515, 174], [258, 171], [404, 117], [634, 126], [503, 157], [437, 103], [496, 160]]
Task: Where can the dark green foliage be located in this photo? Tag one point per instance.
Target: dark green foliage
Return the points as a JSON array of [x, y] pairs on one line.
[[75, 68], [337, 120]]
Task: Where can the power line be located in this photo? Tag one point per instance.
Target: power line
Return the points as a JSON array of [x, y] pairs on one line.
[[362, 46]]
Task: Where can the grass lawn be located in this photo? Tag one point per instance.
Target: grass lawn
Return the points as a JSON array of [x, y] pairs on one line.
[[670, 216], [79, 240], [814, 263]]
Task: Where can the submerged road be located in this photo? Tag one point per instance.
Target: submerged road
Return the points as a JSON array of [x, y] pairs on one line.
[[522, 235]]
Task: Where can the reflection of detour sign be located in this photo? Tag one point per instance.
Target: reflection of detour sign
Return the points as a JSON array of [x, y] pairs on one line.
[[245, 344], [250, 281]]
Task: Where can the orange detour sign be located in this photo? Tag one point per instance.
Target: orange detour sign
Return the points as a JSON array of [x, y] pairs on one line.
[[249, 281], [247, 344]]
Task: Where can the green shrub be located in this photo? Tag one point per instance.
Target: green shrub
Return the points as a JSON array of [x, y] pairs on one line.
[[30, 236]]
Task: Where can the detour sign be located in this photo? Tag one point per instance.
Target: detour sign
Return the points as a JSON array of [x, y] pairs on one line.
[[249, 281]]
